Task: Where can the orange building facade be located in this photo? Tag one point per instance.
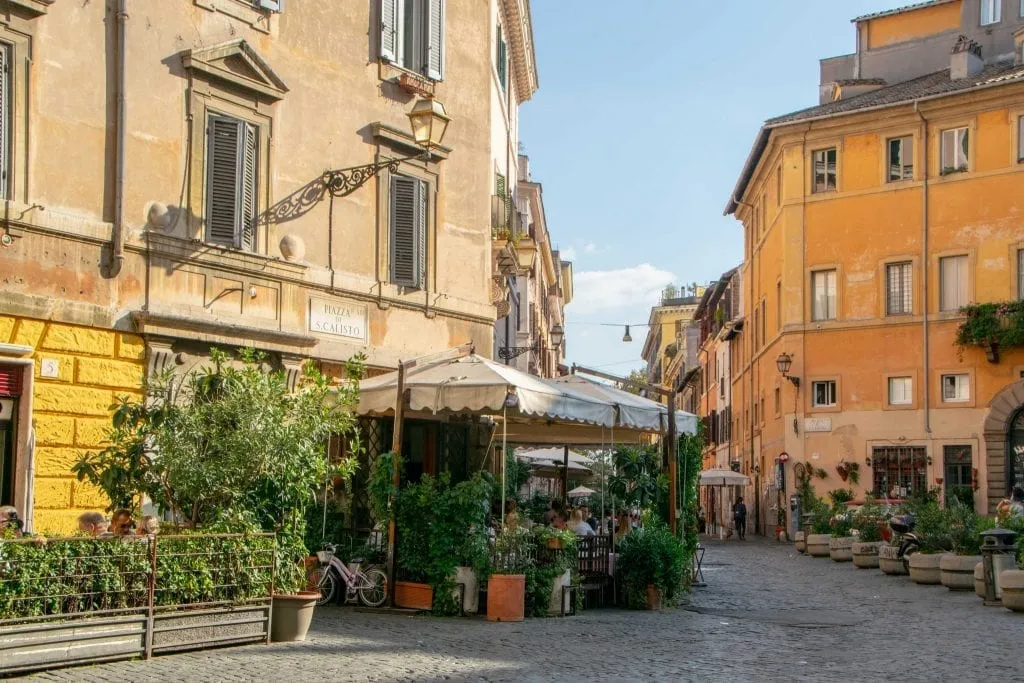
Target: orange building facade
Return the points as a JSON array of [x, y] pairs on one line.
[[869, 221]]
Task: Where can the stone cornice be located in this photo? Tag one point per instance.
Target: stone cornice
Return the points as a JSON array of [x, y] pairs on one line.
[[519, 31]]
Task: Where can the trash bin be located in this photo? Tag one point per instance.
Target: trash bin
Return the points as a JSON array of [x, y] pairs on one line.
[[998, 553]]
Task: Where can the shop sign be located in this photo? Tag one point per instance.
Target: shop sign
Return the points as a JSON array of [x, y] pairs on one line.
[[338, 318]]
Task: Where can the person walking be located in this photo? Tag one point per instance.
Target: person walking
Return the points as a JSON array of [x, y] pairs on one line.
[[739, 518]]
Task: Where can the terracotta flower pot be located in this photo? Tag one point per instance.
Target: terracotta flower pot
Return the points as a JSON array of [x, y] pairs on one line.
[[865, 555], [555, 543], [291, 615], [817, 545], [924, 569], [957, 571], [653, 597], [506, 597], [889, 561], [840, 548], [414, 595], [801, 541], [1012, 583]]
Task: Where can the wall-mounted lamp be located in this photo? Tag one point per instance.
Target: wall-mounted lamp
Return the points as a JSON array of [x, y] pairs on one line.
[[783, 363], [626, 337]]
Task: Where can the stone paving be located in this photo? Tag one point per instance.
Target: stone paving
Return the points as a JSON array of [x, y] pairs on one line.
[[767, 614]]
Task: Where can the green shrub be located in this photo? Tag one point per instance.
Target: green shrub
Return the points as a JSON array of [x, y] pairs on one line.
[[964, 526], [868, 521], [821, 517], [651, 556], [932, 527]]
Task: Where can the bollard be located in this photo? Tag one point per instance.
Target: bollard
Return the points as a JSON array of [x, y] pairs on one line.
[[998, 553]]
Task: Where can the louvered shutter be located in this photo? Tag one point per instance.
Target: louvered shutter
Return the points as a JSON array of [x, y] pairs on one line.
[[405, 193], [435, 39], [10, 381], [388, 29], [502, 59], [223, 172], [249, 188], [5, 119], [421, 236]]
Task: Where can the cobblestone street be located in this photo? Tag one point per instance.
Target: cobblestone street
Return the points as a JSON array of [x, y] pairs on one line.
[[767, 613]]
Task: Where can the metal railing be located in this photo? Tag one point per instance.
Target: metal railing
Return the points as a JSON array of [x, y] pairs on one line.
[[73, 600]]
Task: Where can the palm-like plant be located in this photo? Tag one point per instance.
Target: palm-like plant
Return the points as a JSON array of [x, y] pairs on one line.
[[638, 479]]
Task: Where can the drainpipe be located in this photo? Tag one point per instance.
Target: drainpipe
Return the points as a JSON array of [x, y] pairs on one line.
[[924, 270], [117, 236]]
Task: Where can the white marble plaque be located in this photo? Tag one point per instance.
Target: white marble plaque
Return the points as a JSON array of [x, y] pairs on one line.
[[338, 318]]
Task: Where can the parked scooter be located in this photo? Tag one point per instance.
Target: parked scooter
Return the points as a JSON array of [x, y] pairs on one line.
[[903, 525]]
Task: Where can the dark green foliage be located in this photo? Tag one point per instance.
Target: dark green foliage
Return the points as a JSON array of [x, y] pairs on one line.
[[85, 575], [379, 486], [932, 527], [1000, 323], [651, 556], [868, 521], [964, 526], [821, 516], [639, 481], [441, 527]]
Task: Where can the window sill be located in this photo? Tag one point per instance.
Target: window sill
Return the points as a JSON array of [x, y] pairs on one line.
[[900, 406], [33, 8], [414, 81], [244, 12]]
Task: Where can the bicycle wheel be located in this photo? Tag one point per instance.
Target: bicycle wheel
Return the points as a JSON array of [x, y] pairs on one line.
[[376, 593], [328, 586]]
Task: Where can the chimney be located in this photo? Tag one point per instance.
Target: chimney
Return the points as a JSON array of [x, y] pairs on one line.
[[1018, 46], [966, 61]]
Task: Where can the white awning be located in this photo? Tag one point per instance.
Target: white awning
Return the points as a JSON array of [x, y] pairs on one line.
[[723, 478], [634, 411]]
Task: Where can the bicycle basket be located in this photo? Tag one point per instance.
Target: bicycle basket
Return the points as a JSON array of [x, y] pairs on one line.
[[324, 556]]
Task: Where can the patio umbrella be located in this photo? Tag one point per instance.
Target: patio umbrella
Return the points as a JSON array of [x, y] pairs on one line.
[[633, 412], [581, 492], [723, 478]]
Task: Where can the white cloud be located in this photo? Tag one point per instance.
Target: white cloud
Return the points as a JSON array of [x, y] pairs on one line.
[[600, 290], [567, 254], [589, 248]]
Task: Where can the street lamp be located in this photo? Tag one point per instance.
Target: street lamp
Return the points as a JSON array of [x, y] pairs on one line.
[[428, 120], [626, 337], [783, 363], [557, 335]]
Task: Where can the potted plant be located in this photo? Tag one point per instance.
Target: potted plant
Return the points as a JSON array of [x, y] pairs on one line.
[[868, 521], [511, 557], [932, 532], [956, 568], [553, 571], [819, 538], [651, 565], [1012, 583], [840, 525]]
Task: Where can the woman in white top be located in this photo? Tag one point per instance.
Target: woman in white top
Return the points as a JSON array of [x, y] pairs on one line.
[[579, 525]]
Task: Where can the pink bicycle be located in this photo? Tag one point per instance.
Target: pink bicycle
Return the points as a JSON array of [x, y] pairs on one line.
[[370, 586]]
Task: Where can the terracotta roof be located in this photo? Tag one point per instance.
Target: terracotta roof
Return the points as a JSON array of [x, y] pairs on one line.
[[929, 86], [937, 83], [901, 10], [860, 81]]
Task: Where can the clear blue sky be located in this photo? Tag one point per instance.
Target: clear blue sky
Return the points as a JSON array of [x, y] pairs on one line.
[[645, 114]]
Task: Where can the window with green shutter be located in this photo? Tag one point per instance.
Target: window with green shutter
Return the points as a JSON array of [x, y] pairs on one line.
[[408, 231], [232, 170], [501, 59]]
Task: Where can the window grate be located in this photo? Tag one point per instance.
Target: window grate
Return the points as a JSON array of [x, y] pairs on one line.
[[899, 289], [899, 471]]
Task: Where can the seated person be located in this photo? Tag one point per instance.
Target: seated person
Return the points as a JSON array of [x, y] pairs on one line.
[[93, 523], [10, 523], [579, 525]]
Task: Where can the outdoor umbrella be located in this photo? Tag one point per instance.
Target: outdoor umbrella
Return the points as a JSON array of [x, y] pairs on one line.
[[723, 478], [581, 492]]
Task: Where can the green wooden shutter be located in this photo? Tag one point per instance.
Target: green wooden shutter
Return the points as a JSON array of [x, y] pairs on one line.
[[223, 172], [502, 59], [249, 189], [435, 39], [405, 195], [389, 30]]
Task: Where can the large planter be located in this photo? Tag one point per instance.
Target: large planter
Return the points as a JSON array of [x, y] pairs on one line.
[[471, 593], [414, 595], [924, 569], [889, 561], [506, 597], [957, 571], [653, 597], [818, 545], [291, 616], [979, 580], [840, 548], [1012, 583], [801, 541], [561, 601], [865, 555]]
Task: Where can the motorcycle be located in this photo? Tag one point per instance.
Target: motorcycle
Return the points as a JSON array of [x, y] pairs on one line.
[[903, 526]]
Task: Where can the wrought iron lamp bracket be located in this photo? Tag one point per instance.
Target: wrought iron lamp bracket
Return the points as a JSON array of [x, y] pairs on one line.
[[345, 181], [510, 352]]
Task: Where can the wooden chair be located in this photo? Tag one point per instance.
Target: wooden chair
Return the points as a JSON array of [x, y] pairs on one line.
[[593, 552]]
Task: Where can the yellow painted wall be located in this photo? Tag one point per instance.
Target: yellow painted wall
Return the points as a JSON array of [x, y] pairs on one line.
[[71, 413], [866, 223], [910, 25]]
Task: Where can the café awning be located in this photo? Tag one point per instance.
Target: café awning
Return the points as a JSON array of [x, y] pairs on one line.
[[632, 411]]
